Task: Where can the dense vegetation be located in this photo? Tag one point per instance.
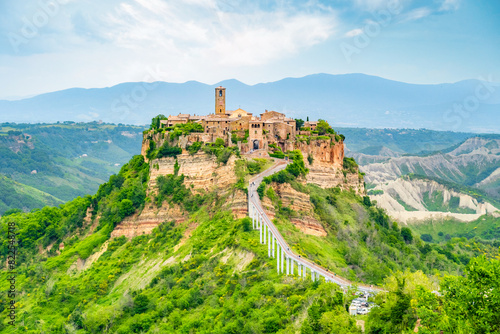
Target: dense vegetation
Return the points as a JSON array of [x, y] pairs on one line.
[[464, 304], [224, 284], [209, 274]]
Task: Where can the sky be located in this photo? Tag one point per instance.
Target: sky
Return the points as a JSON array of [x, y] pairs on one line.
[[50, 45]]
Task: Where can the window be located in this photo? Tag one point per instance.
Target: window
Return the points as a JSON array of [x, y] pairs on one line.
[[220, 93], [255, 131]]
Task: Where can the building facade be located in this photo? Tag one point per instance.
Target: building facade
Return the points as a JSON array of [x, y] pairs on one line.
[[271, 127]]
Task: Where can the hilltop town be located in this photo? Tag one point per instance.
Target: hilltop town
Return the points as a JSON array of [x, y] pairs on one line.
[[270, 133]]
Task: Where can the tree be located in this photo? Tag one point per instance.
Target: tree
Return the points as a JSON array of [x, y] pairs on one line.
[[406, 234], [156, 121], [141, 303], [323, 127], [426, 237], [298, 123], [219, 142], [474, 300], [126, 208], [467, 304]]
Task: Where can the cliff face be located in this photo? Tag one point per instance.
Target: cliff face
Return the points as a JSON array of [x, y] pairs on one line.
[[202, 171], [298, 202], [326, 169], [324, 152], [203, 174]]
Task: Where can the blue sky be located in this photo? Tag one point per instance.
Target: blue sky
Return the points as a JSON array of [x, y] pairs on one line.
[[48, 45]]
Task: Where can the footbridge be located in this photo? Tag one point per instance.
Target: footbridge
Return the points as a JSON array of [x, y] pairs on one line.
[[287, 261]]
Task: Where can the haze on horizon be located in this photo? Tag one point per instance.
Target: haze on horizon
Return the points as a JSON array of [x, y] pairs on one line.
[[49, 45]]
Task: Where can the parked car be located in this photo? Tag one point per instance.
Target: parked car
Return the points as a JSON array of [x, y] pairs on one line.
[[363, 310]]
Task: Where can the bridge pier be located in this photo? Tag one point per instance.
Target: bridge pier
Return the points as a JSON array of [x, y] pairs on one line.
[[274, 251], [278, 258], [260, 227], [282, 258], [269, 236]]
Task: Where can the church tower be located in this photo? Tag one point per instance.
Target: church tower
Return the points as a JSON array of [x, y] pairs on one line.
[[220, 101]]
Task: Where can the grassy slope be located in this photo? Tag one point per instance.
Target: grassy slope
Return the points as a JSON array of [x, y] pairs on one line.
[[58, 156], [200, 287], [486, 227], [17, 195], [364, 246], [217, 281]]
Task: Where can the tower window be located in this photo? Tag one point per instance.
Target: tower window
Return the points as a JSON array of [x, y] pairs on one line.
[[220, 93]]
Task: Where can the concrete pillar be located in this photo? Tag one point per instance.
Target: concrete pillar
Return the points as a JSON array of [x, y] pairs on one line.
[[260, 228], [278, 259], [304, 273], [252, 215], [266, 232], [282, 258], [269, 236], [287, 265], [299, 267], [274, 251], [291, 266]]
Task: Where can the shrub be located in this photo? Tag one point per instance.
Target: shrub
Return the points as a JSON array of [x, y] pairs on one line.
[[426, 237], [126, 208], [350, 165], [219, 142], [193, 149], [168, 151]]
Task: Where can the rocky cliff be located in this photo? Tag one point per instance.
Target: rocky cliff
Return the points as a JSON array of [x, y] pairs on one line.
[[411, 200], [203, 174], [326, 169], [298, 202]]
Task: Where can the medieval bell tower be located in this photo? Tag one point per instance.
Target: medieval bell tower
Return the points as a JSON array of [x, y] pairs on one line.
[[220, 101]]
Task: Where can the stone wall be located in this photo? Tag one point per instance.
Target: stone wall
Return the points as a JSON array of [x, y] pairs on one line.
[[202, 171]]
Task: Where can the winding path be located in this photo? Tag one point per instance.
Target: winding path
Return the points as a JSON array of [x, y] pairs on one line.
[[277, 246]]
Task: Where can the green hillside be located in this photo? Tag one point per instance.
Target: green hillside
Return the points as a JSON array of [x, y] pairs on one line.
[[219, 280], [64, 160], [14, 195]]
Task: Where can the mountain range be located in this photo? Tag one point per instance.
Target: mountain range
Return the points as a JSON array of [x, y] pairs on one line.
[[350, 100]]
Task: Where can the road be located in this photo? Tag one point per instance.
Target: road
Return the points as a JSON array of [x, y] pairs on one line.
[[255, 200]]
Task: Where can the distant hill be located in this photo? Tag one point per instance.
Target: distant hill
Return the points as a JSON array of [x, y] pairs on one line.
[[350, 100], [463, 179], [48, 164]]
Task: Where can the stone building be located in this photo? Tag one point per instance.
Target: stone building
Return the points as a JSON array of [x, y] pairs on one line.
[[271, 127]]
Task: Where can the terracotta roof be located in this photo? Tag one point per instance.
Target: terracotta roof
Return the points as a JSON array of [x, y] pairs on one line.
[[217, 119], [176, 118]]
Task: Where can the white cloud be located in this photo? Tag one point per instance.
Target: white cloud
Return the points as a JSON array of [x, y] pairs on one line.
[[225, 37], [450, 5], [371, 5], [415, 14], [354, 32]]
